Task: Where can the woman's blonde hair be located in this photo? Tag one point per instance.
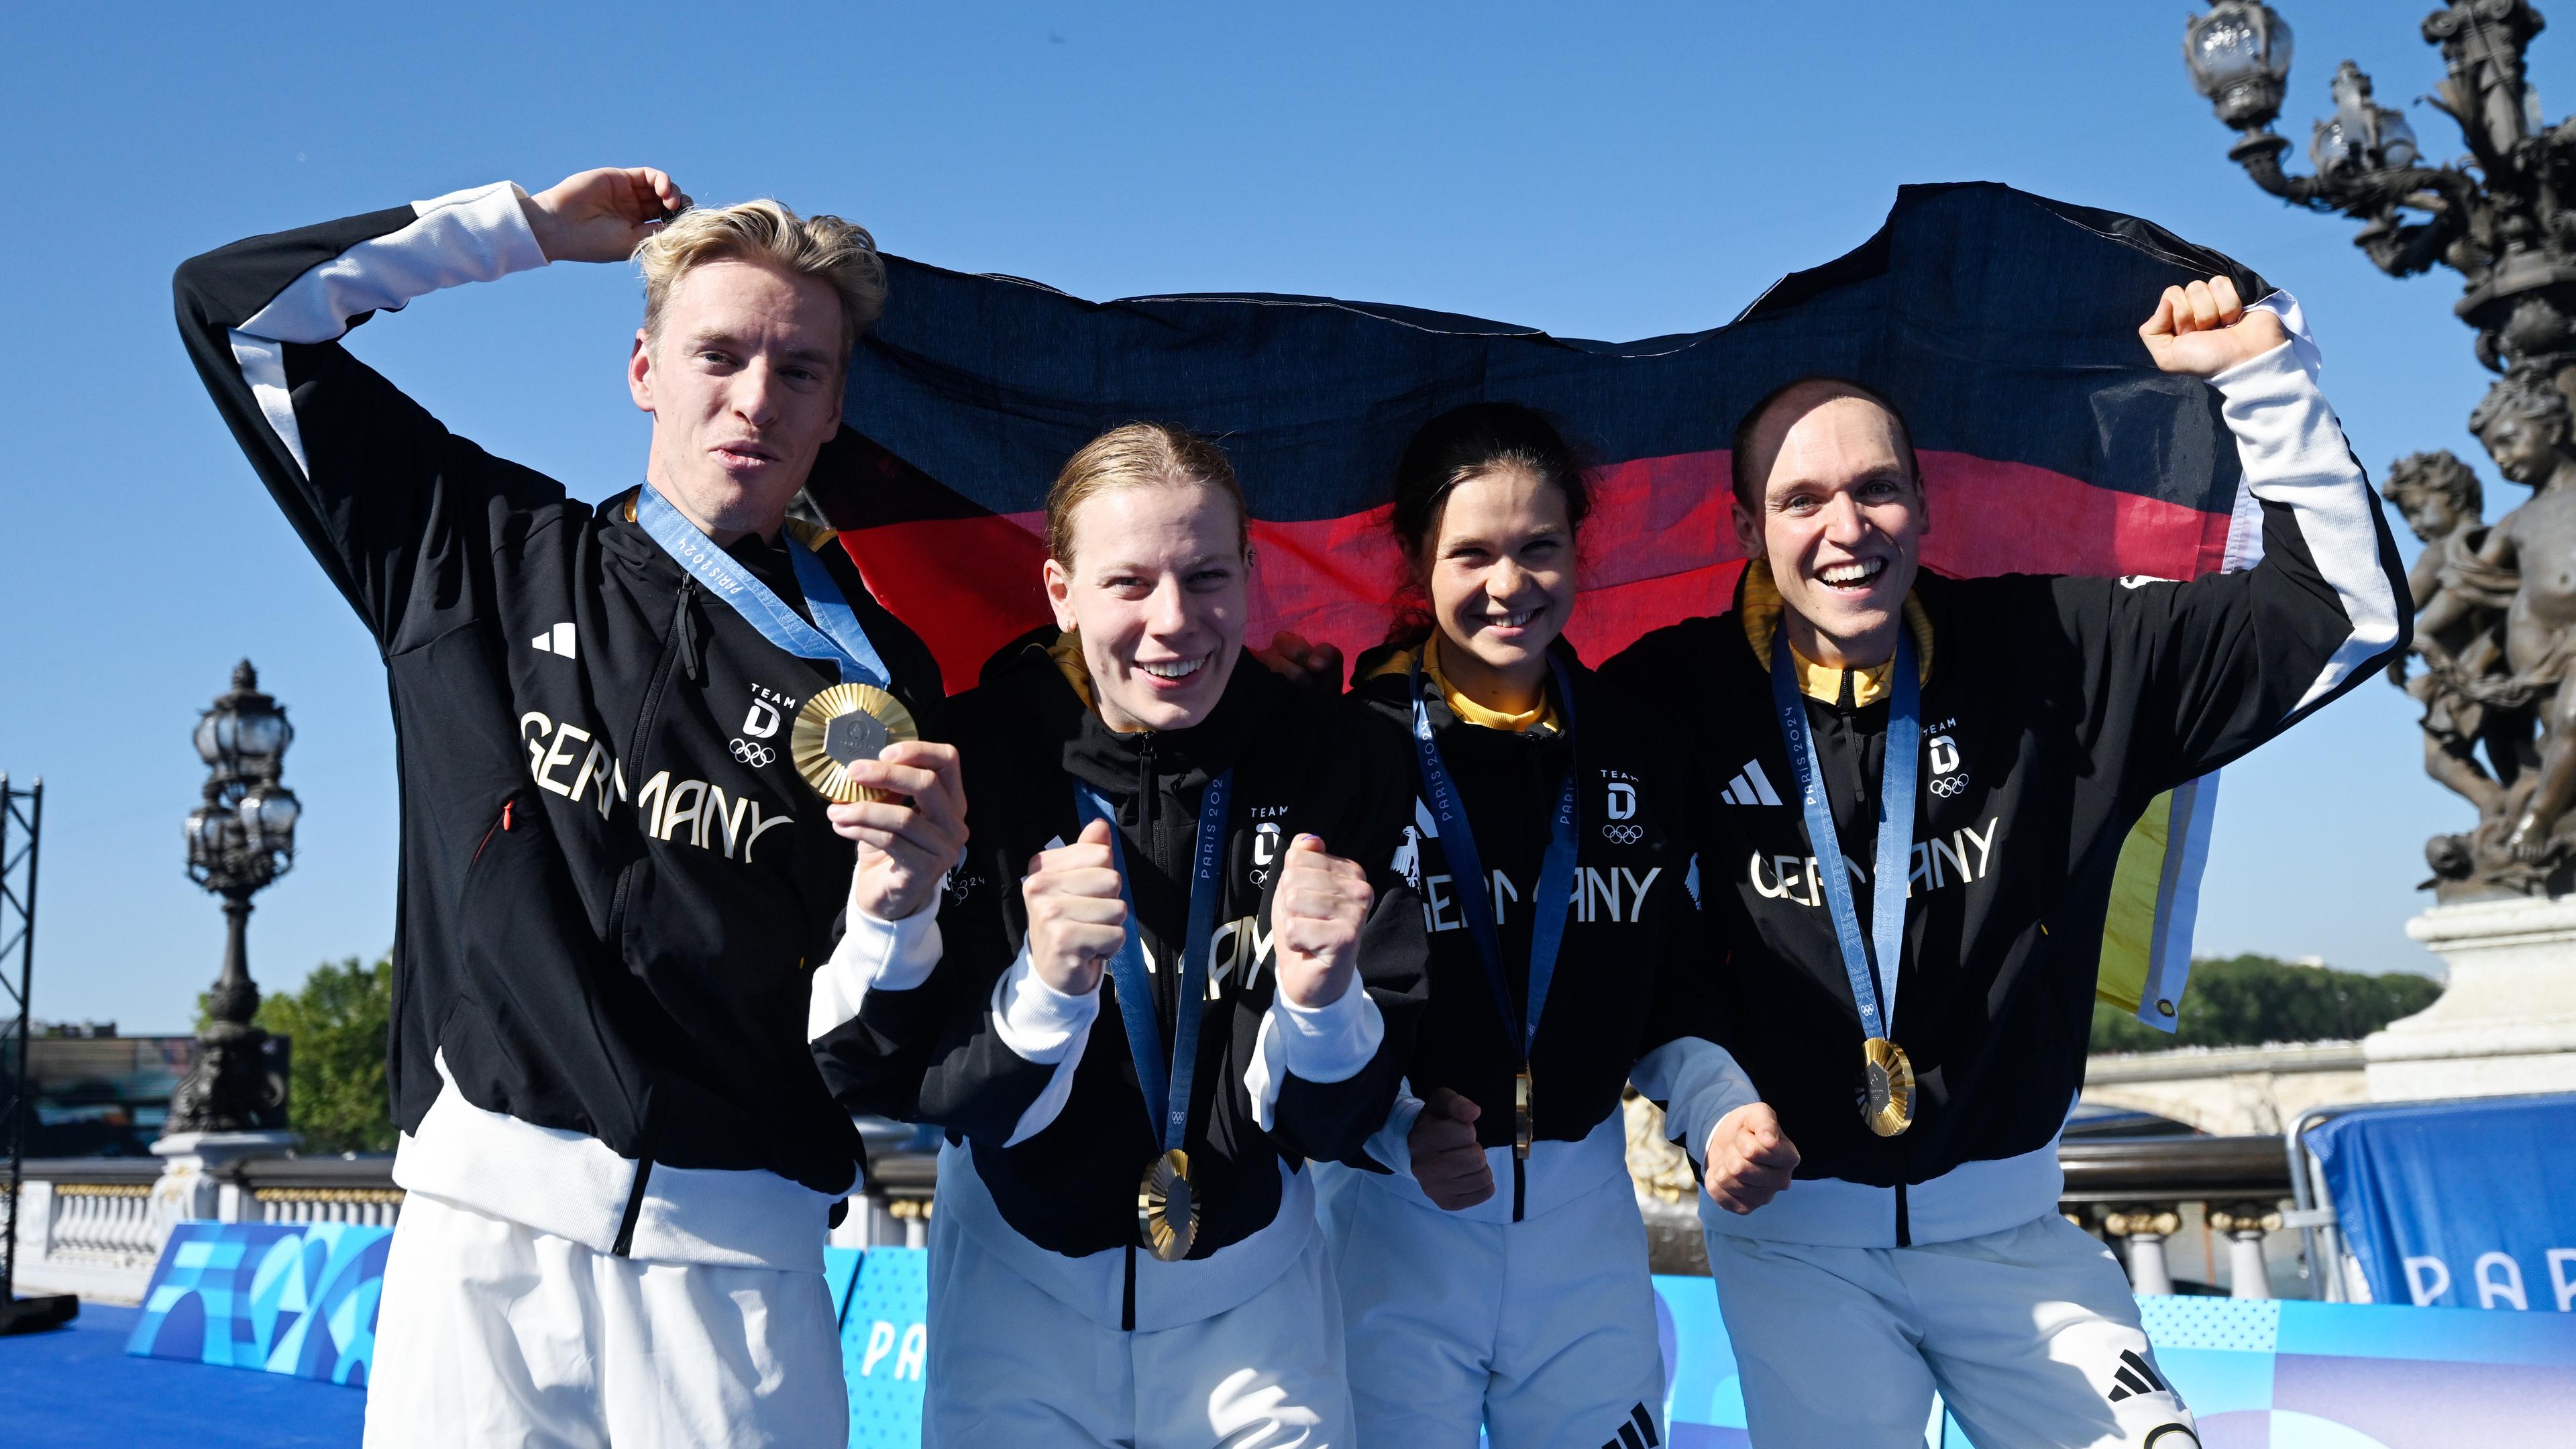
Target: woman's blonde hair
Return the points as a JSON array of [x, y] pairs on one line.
[[1138, 455], [839, 252]]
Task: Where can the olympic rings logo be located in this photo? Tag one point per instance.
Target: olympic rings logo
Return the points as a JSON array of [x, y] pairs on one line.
[[1628, 834], [756, 756], [1950, 786]]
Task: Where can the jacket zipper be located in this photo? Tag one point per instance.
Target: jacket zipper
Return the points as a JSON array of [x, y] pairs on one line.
[[502, 823], [651, 708]]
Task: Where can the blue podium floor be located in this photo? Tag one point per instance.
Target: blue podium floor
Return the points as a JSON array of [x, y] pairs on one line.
[[75, 1386]]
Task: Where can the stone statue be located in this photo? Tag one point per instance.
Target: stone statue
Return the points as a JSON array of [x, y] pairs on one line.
[[2496, 628]]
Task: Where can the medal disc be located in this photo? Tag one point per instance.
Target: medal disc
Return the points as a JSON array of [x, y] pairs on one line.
[[1889, 1078], [841, 726], [1167, 1207]]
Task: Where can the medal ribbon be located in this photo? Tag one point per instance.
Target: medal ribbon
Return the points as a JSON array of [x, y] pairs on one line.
[[834, 636], [1467, 872], [1167, 1090], [1895, 829]]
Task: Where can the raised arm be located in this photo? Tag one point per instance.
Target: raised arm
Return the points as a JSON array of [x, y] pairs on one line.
[[2223, 663], [380, 492]]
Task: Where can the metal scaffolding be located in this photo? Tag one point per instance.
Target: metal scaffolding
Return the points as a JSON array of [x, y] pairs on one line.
[[22, 818]]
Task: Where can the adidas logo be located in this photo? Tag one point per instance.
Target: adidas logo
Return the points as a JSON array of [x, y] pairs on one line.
[[2135, 1377], [557, 640], [1750, 787], [1637, 1433]]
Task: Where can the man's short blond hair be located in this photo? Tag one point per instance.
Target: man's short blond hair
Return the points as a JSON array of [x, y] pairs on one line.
[[839, 252]]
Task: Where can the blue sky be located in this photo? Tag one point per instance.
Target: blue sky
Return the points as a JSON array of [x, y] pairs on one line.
[[1608, 171]]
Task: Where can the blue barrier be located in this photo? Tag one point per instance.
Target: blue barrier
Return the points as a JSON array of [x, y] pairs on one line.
[[295, 1299], [2458, 1204], [301, 1300]]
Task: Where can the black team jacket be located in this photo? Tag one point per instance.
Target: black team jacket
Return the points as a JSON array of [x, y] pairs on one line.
[[1635, 989], [2055, 711], [1048, 1131], [614, 886]]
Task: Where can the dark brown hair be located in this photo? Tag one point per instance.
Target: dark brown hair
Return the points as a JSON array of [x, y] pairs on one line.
[[1461, 444]]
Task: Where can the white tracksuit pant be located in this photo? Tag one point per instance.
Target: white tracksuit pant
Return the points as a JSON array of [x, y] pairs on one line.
[[2030, 1336], [1542, 1330], [1013, 1364], [490, 1333]]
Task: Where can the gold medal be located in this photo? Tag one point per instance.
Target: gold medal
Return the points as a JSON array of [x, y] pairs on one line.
[[1524, 1116], [1167, 1207], [841, 726], [1888, 1104]]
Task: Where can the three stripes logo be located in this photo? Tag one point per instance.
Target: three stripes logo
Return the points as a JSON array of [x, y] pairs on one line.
[[1637, 1433], [1750, 787], [2136, 1376]]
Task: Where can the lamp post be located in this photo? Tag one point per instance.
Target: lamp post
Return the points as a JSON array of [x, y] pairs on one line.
[[2498, 216], [2503, 217], [239, 840]]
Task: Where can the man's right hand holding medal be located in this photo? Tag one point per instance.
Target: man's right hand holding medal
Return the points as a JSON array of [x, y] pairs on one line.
[[1749, 1158], [906, 845], [1077, 920]]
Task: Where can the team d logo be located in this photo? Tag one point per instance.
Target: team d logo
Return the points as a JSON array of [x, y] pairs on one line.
[[1942, 754], [1620, 826]]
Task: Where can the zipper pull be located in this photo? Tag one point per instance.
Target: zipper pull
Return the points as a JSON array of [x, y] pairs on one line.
[[685, 630], [505, 814], [1145, 787]]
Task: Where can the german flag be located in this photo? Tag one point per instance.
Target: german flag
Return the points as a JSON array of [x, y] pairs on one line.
[[2003, 324]]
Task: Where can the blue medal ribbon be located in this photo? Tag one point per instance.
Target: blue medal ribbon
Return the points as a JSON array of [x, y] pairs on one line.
[[1895, 829], [1467, 872], [1167, 1090], [835, 635]]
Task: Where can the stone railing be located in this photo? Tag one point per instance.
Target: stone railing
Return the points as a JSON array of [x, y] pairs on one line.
[[322, 1190], [95, 1226], [2196, 1213], [89, 1226]]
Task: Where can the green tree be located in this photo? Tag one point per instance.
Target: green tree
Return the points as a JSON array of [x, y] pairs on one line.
[[2248, 1000], [338, 1022]]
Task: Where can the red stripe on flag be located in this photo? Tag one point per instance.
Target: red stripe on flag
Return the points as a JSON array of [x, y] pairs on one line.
[[1658, 547]]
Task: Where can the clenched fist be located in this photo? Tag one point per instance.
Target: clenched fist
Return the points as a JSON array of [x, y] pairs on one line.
[[1447, 1160], [907, 845], [602, 215], [1076, 919], [2204, 329], [1315, 919], [1749, 1158]]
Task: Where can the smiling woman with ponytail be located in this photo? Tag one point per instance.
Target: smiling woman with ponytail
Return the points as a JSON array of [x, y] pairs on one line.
[[1493, 1268]]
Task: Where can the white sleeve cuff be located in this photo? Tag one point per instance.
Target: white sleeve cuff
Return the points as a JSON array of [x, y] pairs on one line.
[[479, 235], [2295, 455], [1323, 1044], [1392, 1146], [1045, 1026], [1698, 1082], [1036, 1021], [872, 955]]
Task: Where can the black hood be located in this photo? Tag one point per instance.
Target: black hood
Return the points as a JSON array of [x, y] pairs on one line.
[[1178, 763]]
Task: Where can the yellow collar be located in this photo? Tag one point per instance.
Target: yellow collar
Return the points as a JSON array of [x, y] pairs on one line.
[[1066, 651], [1544, 716], [1761, 611]]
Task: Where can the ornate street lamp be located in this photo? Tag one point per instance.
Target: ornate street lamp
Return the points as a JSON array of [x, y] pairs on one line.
[[2494, 216], [239, 840], [2503, 217]]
